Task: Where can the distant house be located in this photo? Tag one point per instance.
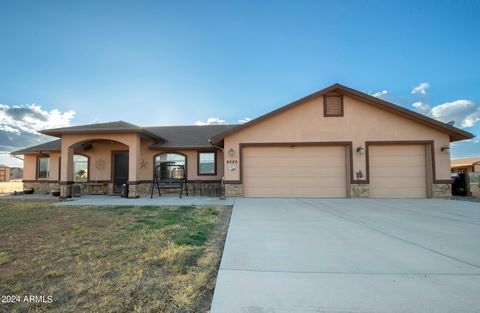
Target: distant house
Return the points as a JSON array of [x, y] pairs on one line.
[[466, 165], [4, 173], [16, 173]]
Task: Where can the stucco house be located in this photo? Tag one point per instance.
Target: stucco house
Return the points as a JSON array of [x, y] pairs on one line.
[[465, 165], [5, 172], [337, 142]]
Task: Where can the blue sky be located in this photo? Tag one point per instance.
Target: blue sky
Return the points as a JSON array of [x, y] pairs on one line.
[[179, 62]]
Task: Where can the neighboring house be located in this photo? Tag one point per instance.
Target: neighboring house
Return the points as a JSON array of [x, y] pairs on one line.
[[16, 173], [466, 165], [4, 173], [337, 142]]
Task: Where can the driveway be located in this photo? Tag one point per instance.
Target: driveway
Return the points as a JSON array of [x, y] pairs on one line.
[[347, 255]]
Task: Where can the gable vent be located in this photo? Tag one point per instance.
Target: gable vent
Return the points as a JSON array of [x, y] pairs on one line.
[[333, 105]]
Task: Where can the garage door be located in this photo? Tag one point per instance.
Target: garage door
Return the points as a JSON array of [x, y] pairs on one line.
[[397, 171], [294, 172]]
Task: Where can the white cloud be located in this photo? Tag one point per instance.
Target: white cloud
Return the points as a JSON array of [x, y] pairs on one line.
[[211, 121], [244, 120], [422, 107], [465, 113], [381, 94], [19, 125], [31, 118], [421, 89]]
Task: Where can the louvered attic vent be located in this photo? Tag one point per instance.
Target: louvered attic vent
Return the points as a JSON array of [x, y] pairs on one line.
[[333, 105]]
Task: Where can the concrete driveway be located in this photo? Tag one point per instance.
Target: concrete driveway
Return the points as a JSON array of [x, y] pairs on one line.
[[315, 255]]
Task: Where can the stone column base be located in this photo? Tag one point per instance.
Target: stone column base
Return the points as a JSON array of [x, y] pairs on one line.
[[359, 191], [441, 191], [65, 191], [233, 190]]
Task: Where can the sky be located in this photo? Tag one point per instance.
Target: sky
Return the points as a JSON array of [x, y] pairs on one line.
[[184, 62]]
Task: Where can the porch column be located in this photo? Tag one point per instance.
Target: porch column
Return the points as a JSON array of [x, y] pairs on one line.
[[66, 167], [133, 161]]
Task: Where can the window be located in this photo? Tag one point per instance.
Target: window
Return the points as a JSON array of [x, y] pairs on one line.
[[43, 164], [170, 165], [80, 168], [206, 163], [333, 105]]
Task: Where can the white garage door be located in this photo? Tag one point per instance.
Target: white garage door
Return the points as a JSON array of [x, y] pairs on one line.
[[294, 172], [397, 171]]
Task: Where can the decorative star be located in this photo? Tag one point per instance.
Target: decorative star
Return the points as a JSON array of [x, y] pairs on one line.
[[143, 163]]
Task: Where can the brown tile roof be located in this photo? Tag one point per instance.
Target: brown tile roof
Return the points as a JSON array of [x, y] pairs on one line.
[[171, 136], [114, 127], [187, 136], [55, 145]]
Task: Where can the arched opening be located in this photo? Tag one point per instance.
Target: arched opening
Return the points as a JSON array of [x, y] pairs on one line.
[[80, 168], [171, 165]]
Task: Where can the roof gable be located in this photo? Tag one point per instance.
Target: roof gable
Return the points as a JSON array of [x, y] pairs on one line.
[[454, 133]]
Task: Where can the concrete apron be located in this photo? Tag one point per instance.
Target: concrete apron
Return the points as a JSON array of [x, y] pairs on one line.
[[350, 255]]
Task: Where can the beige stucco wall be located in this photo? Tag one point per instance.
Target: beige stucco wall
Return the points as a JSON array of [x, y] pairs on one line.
[[102, 149], [361, 122], [149, 154], [29, 167]]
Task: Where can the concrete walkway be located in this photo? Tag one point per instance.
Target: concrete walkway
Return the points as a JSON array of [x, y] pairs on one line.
[[146, 201], [346, 255]]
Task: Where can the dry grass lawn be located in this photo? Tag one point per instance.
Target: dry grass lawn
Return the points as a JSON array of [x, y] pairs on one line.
[[110, 259], [11, 186]]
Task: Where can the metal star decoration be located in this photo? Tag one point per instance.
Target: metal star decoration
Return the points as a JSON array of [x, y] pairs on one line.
[[143, 163]]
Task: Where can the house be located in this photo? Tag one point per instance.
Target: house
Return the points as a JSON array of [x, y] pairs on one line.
[[337, 142], [4, 173], [466, 165]]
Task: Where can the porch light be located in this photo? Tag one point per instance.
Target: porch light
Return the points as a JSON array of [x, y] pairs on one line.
[[445, 149], [361, 150], [231, 152]]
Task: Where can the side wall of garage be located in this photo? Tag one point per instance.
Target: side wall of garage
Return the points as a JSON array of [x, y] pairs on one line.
[[361, 126]]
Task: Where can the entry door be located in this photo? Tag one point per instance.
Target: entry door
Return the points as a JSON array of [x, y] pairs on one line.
[[120, 170]]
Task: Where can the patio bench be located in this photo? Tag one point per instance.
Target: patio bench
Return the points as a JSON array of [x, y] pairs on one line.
[[169, 184]]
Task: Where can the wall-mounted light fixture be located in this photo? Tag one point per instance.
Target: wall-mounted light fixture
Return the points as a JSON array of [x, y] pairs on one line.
[[231, 152], [445, 149], [361, 150]]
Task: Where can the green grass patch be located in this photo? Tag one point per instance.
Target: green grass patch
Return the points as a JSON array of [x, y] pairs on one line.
[[110, 259], [4, 258]]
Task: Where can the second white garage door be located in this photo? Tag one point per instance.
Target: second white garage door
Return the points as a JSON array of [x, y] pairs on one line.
[[294, 172], [397, 171]]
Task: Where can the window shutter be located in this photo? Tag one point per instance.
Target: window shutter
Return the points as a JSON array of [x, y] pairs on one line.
[[333, 105]]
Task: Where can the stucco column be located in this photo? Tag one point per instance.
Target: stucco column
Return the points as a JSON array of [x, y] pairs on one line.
[[66, 167], [133, 167]]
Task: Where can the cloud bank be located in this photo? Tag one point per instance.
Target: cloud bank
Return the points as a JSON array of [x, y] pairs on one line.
[[19, 125]]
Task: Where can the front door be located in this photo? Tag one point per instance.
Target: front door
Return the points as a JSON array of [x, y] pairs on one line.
[[120, 170]]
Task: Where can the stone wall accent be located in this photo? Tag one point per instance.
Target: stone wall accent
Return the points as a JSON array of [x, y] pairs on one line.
[[41, 187], [474, 184], [442, 191], [233, 190], [359, 190]]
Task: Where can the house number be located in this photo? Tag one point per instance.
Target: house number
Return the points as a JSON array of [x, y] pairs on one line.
[[232, 165]]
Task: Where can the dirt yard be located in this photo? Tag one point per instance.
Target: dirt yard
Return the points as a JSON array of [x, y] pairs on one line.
[[11, 186], [109, 259]]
